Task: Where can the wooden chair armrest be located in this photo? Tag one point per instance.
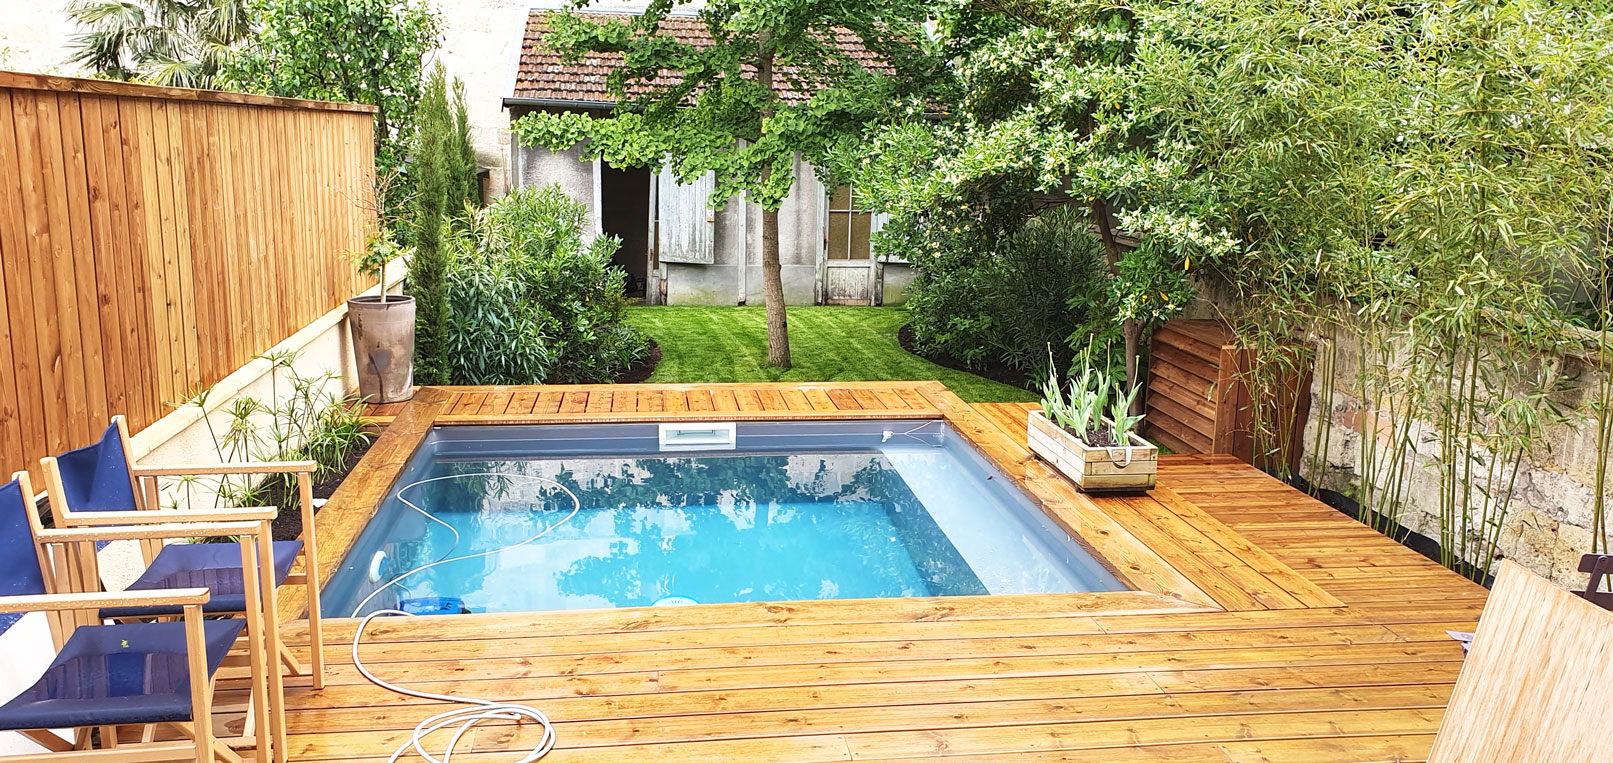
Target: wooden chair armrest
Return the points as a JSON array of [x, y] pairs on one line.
[[251, 467], [170, 516], [56, 602], [148, 532]]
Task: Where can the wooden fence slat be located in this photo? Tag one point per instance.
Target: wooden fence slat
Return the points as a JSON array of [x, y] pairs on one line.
[[19, 385], [209, 289], [152, 242], [122, 197], [182, 295], [75, 194], [252, 151], [168, 348], [26, 297], [44, 239], [104, 260], [232, 241]]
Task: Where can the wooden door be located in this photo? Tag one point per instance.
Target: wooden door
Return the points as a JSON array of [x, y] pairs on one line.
[[687, 230], [850, 274], [848, 283]]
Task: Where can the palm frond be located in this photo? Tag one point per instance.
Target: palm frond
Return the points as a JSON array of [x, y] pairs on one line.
[[169, 42]]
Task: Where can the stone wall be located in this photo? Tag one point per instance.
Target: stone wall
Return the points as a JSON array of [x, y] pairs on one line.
[[1548, 525]]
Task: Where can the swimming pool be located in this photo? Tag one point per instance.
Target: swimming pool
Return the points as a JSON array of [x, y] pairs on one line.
[[702, 513]]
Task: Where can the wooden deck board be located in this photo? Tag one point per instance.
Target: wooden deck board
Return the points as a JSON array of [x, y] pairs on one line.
[[1311, 637]]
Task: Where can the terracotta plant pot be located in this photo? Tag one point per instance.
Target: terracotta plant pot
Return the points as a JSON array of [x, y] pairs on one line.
[[1132, 468], [383, 347]]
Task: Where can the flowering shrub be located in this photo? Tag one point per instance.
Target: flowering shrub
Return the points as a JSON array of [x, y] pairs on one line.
[[530, 302]]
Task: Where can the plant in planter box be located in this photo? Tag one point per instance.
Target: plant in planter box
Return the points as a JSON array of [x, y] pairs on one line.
[[1097, 453], [382, 328]]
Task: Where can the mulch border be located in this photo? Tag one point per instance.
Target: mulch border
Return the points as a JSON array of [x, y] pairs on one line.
[[996, 372], [639, 372]]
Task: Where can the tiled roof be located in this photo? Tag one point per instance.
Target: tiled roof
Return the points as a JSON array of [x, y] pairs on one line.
[[542, 76]]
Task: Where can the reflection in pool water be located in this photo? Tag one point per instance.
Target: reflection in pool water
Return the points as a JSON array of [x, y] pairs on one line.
[[897, 520]]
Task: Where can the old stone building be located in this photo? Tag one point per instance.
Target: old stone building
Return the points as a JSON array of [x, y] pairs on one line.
[[676, 247]]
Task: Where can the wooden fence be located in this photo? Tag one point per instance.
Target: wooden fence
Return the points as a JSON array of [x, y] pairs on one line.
[[153, 240]]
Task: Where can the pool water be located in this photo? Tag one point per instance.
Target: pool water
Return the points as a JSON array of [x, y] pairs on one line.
[[794, 511]]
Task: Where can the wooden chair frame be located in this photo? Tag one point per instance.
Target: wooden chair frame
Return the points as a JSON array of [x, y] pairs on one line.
[[84, 574], [60, 550], [143, 481]]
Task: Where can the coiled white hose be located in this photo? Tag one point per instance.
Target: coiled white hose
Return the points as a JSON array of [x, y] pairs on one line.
[[481, 710]]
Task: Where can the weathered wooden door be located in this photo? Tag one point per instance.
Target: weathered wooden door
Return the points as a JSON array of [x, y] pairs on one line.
[[848, 283], [687, 222], [850, 273]]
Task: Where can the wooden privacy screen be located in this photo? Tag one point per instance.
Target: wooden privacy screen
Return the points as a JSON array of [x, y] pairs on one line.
[[1199, 399], [152, 240]]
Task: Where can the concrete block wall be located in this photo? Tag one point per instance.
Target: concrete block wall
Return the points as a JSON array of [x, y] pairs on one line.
[[35, 36]]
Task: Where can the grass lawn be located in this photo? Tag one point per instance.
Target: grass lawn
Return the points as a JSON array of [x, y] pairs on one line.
[[729, 344]]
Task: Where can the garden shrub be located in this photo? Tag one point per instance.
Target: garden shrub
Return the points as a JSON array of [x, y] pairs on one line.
[[987, 299], [529, 302]]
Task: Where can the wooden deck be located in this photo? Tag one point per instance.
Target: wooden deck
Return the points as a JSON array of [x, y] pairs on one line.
[[1266, 627]]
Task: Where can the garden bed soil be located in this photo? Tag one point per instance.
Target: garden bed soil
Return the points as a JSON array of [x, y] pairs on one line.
[[996, 372], [639, 372], [288, 525]]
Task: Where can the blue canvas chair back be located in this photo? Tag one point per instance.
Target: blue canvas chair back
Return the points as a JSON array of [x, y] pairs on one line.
[[19, 562], [96, 477]]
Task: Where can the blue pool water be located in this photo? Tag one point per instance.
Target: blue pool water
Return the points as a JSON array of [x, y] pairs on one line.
[[794, 511]]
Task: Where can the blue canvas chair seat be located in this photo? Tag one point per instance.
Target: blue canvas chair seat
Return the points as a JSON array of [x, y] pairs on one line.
[[214, 566], [118, 674]]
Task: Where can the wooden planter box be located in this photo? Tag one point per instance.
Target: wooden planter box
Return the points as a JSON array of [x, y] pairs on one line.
[[1197, 401], [1130, 469]]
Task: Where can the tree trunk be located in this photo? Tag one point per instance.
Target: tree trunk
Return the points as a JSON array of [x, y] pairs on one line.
[[1131, 331], [1106, 233], [383, 129], [778, 332]]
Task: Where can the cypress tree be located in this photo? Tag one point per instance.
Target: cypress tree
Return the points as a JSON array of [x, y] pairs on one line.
[[470, 187], [433, 172]]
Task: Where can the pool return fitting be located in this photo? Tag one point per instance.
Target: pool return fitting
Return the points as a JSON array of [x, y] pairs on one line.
[[463, 720]]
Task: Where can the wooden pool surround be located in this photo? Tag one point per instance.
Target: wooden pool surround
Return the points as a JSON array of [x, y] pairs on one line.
[[1263, 625]]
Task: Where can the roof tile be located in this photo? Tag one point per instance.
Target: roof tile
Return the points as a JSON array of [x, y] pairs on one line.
[[543, 76]]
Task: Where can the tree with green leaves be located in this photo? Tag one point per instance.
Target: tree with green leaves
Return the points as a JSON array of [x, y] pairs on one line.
[[468, 188], [360, 51], [436, 198], [720, 108], [178, 43], [1426, 185], [1046, 114]]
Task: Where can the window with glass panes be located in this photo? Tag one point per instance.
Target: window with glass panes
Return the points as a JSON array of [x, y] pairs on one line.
[[849, 226]]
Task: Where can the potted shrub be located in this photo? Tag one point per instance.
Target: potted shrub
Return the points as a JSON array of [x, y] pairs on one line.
[[1100, 454], [382, 327]]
